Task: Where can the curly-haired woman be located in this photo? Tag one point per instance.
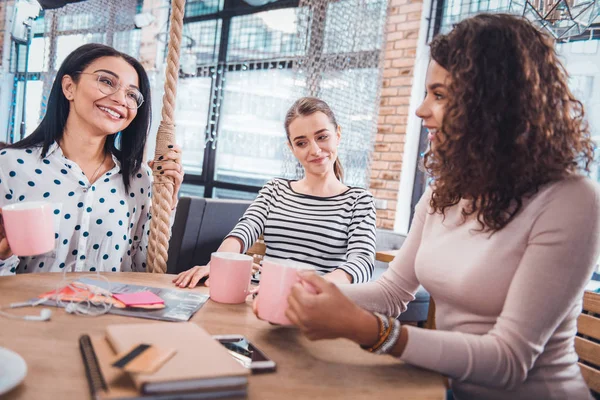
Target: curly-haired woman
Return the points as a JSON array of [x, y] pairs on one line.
[[504, 239]]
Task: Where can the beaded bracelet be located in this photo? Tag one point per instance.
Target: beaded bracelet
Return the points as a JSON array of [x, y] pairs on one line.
[[391, 340]]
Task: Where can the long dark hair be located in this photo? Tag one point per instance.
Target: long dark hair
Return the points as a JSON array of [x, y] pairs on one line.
[[307, 106], [511, 123], [132, 139]]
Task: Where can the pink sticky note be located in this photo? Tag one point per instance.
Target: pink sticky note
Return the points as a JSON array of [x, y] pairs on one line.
[[138, 298]]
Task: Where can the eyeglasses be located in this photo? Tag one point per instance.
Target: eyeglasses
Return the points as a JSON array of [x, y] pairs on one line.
[[110, 85]]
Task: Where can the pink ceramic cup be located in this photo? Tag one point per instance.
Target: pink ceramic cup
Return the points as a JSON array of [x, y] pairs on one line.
[[230, 277], [276, 281], [29, 227]]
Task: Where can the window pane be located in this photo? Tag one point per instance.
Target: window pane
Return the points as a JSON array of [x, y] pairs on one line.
[[265, 35], [356, 118], [457, 10], [585, 82], [128, 42], [202, 42], [191, 116], [191, 190], [581, 59], [39, 24], [251, 139], [38, 55], [194, 8], [83, 20], [32, 112], [340, 39], [66, 44], [233, 194]]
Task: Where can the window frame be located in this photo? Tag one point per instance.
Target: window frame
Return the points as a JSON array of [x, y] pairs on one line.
[[231, 9]]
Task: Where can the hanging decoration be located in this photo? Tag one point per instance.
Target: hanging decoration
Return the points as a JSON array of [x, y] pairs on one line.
[[344, 67], [563, 19]]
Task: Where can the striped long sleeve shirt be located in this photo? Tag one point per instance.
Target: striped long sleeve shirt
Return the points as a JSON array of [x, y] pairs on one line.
[[328, 233]]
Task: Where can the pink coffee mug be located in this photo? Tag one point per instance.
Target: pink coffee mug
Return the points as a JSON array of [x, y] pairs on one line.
[[29, 227], [230, 277], [276, 281]]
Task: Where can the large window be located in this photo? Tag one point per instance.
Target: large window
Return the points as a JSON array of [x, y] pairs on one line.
[[250, 142], [234, 90], [230, 110], [242, 66], [582, 61], [54, 35]]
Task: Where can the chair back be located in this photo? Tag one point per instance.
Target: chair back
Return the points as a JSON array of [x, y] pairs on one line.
[[258, 250], [430, 323], [184, 233], [587, 341], [199, 231]]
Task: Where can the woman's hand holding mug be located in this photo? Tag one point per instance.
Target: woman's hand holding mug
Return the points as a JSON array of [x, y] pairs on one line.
[[5, 251]]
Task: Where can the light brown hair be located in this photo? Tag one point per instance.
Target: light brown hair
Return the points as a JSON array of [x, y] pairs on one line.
[[304, 107]]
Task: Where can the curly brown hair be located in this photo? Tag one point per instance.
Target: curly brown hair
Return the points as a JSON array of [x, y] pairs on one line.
[[511, 123]]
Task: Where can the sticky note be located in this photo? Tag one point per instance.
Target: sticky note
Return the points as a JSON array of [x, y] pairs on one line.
[[138, 298]]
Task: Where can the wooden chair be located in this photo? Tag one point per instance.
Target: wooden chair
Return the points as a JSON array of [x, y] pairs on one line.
[[430, 323], [587, 342], [258, 250]]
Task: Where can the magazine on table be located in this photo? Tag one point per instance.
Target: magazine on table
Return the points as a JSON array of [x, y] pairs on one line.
[[179, 305]]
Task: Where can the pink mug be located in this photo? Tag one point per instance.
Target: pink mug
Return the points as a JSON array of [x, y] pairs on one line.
[[29, 227], [276, 281], [230, 277]]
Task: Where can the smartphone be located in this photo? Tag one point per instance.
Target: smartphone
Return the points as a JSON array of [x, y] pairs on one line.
[[246, 353]]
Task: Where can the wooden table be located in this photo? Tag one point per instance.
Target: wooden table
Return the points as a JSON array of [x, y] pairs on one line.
[[386, 255], [332, 369]]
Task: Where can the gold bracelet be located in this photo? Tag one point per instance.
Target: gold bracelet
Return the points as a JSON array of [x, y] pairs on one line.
[[383, 334], [381, 330]]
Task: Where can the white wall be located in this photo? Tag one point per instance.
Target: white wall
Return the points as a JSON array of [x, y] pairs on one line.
[[413, 129]]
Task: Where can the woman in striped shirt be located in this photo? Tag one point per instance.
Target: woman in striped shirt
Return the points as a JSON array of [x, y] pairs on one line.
[[317, 220]]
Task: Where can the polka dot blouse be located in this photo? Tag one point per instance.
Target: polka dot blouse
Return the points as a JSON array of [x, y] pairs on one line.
[[98, 227]]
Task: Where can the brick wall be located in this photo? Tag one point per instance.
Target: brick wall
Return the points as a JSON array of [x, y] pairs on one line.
[[149, 42], [404, 18], [3, 26]]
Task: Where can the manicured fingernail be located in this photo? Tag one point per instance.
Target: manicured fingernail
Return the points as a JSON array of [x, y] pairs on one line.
[[160, 158], [159, 168], [170, 146], [162, 172]]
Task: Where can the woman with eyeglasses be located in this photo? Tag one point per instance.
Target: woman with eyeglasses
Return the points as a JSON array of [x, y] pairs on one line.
[[86, 159]]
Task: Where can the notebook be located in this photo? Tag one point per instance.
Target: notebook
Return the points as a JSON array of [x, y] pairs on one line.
[[110, 383], [201, 364]]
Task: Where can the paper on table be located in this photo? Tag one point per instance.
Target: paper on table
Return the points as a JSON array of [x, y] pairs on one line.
[[138, 298], [179, 304], [79, 292]]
